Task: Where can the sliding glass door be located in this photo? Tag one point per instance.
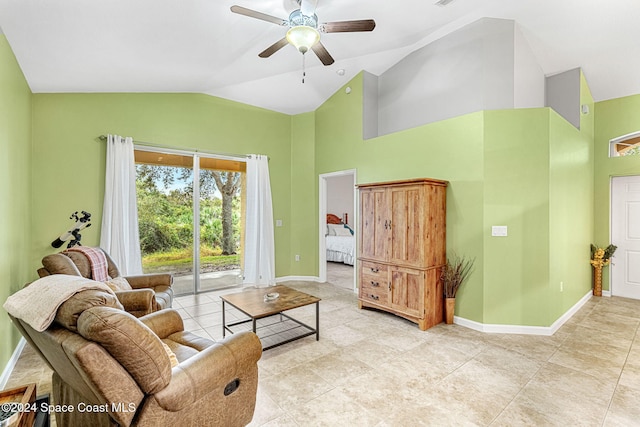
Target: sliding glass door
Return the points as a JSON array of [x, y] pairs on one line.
[[221, 222], [190, 218]]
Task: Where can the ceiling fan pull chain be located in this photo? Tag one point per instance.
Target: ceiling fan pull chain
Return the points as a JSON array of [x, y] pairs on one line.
[[303, 70]]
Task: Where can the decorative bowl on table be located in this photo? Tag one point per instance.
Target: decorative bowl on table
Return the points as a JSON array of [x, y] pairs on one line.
[[271, 296]]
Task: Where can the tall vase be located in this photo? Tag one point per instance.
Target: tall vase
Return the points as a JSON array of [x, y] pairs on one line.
[[597, 281], [449, 309]]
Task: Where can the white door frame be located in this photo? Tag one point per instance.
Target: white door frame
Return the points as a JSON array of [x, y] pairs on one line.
[[611, 207], [322, 220]]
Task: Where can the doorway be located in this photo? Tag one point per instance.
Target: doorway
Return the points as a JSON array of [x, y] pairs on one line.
[[625, 234], [337, 253]]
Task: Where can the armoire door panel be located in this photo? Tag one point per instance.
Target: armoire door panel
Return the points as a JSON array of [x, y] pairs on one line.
[[407, 242], [407, 291], [374, 234], [398, 219]]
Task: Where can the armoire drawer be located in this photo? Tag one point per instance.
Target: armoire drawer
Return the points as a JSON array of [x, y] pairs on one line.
[[378, 294], [373, 271]]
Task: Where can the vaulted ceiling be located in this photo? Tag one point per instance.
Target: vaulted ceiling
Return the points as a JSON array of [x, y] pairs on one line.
[[201, 46]]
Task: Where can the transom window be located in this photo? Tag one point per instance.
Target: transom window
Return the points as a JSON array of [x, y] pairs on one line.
[[625, 145]]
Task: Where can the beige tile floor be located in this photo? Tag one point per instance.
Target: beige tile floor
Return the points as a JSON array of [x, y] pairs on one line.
[[374, 369], [341, 275]]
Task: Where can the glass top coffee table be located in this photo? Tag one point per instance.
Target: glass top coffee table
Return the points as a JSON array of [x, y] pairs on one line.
[[267, 317]]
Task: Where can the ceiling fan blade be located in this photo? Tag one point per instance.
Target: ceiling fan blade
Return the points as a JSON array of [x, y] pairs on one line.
[[308, 7], [347, 26], [258, 15], [322, 53], [273, 48]]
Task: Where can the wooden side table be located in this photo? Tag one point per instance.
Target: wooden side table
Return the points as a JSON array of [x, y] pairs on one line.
[[23, 397]]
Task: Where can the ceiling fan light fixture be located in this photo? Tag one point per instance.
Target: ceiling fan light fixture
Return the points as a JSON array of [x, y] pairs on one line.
[[303, 37]]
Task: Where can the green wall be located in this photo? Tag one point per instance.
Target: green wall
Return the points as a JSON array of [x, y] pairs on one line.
[[516, 195], [613, 118], [304, 196], [570, 208], [15, 183], [509, 167], [69, 160], [538, 182]]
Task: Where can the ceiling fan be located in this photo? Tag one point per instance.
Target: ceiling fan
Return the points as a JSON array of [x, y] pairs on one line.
[[304, 29]]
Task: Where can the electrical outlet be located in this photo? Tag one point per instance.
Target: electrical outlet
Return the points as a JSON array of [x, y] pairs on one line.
[[561, 286], [297, 257]]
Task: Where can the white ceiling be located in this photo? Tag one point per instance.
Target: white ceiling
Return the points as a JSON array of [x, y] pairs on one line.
[[201, 46]]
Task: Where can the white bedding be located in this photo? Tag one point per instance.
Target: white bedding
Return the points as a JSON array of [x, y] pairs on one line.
[[341, 249]]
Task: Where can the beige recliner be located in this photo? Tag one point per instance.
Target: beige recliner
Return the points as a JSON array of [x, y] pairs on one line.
[[151, 292], [113, 369]]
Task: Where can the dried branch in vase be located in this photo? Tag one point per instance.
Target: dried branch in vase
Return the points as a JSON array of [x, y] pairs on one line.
[[454, 273]]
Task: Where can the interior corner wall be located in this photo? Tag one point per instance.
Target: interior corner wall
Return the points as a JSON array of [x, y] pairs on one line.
[[304, 197], [562, 93], [15, 190], [613, 118], [529, 79], [466, 71], [539, 183], [570, 213], [69, 160], [587, 119]]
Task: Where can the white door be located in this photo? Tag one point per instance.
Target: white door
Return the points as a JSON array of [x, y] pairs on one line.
[[625, 234]]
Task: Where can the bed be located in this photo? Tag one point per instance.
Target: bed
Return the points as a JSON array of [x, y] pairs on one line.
[[340, 241]]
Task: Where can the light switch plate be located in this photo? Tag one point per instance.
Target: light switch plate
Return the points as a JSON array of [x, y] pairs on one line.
[[499, 230], [278, 223]]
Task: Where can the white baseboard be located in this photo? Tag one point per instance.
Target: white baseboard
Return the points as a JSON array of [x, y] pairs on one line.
[[525, 330], [297, 279], [491, 328], [606, 293], [8, 369]]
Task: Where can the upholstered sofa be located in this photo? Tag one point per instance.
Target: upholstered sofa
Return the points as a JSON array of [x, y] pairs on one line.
[[151, 292], [111, 368]]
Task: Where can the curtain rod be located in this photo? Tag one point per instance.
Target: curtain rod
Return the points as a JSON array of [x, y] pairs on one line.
[[195, 150]]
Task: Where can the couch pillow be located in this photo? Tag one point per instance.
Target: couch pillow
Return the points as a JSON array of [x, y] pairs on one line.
[[172, 356], [118, 284], [69, 311], [131, 343]]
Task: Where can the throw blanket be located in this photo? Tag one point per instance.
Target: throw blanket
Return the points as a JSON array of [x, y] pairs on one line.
[[38, 303], [97, 261]]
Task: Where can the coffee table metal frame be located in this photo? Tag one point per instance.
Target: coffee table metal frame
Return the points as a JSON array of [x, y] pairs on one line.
[[254, 317]]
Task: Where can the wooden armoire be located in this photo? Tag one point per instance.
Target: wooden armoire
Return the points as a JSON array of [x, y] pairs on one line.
[[402, 248]]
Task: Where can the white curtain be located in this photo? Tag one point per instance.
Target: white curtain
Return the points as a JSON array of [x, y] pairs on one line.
[[119, 236], [259, 246]]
